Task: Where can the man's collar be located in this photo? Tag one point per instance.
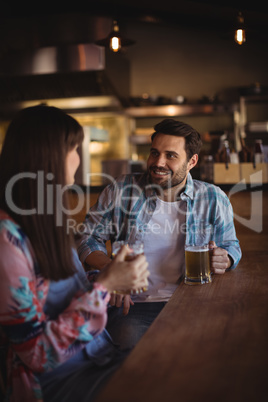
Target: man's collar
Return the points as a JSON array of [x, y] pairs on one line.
[[189, 188]]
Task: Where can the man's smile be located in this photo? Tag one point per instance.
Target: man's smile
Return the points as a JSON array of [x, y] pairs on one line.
[[160, 172]]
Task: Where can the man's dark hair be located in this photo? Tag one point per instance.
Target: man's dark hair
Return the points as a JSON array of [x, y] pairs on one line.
[[193, 142]]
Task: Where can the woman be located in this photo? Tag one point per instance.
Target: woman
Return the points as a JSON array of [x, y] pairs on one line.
[[52, 316]]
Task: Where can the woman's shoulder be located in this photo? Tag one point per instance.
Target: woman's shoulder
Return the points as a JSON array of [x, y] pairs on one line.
[[17, 260], [9, 230]]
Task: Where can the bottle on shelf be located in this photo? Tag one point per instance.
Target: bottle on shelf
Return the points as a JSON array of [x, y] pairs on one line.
[[258, 156], [225, 154], [245, 153], [234, 156]]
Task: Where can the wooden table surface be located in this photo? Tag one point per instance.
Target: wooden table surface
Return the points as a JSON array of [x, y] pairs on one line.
[[210, 342]]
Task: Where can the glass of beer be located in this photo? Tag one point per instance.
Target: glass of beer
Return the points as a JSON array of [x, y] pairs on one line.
[[197, 265], [135, 249]]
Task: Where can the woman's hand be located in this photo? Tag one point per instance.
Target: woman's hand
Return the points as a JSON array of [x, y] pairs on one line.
[[124, 275]]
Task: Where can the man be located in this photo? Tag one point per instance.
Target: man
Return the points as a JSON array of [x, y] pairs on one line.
[[164, 208]]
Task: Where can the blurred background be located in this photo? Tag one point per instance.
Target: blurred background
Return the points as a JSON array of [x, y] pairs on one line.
[[178, 59]]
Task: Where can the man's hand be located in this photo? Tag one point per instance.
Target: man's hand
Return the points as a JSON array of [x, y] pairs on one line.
[[219, 259], [116, 300]]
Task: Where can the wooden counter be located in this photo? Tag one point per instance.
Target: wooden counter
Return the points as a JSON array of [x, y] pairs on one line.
[[210, 342]]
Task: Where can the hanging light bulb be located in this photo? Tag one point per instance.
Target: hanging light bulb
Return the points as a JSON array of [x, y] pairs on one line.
[[115, 41], [240, 33]]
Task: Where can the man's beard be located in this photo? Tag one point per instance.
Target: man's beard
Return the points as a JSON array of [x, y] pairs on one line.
[[170, 181]]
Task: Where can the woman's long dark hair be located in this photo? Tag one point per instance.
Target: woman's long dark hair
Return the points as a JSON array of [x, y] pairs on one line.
[[32, 174]]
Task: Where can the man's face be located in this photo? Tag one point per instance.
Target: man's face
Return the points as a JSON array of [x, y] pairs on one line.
[[167, 164]]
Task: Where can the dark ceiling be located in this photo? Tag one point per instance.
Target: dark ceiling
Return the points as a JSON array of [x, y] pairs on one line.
[[24, 29], [205, 13], [47, 25]]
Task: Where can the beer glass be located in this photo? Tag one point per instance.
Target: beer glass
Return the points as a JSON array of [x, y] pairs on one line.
[[135, 249], [197, 264]]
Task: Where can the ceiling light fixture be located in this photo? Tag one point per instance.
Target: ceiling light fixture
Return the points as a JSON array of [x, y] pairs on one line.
[[115, 41], [240, 33]]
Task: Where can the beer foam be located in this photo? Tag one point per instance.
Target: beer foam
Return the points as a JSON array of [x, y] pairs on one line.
[[196, 250]]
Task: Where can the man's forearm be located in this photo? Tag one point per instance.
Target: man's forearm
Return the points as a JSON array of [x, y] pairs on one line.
[[97, 259]]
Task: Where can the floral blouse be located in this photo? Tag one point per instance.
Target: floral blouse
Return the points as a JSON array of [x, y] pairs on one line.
[[36, 342]]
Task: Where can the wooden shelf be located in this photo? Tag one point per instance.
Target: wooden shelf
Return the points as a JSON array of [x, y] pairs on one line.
[[180, 110], [140, 139], [254, 98]]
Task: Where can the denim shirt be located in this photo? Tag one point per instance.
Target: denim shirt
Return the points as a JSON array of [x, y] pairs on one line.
[[125, 207], [61, 292]]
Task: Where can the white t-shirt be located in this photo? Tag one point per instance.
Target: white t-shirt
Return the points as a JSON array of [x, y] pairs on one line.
[[164, 241]]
